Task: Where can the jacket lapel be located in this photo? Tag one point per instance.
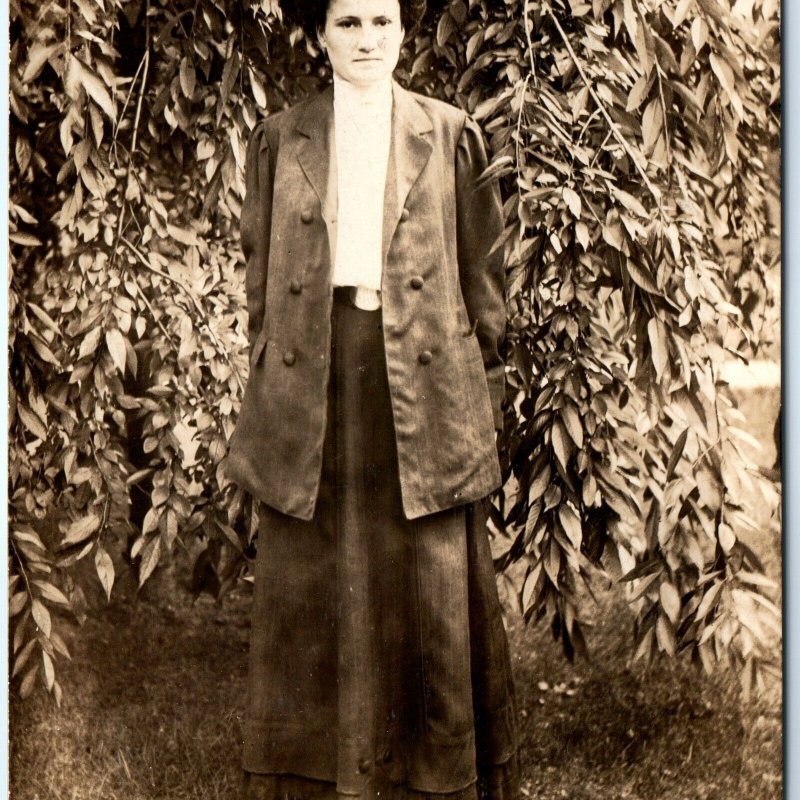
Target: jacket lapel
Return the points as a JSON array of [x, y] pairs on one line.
[[316, 149], [408, 153]]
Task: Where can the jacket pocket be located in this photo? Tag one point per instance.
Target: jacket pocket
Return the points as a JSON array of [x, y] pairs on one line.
[[258, 347], [471, 346]]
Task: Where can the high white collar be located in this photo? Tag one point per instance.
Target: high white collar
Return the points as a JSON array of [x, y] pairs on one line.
[[349, 95]]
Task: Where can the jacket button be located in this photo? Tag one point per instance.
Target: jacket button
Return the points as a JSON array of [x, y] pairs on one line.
[[417, 282], [307, 215], [295, 287], [386, 757], [404, 215], [289, 358], [363, 766], [425, 357]]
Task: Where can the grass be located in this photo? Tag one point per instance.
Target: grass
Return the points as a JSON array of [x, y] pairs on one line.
[[151, 709], [153, 705]]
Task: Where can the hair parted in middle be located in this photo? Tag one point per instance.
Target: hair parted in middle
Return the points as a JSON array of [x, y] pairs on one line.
[[310, 15]]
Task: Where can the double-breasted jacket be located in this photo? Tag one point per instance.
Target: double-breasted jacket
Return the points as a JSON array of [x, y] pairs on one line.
[[443, 309]]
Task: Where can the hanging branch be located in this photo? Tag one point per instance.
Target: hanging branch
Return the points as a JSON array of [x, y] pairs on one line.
[[144, 78], [610, 122], [200, 310]]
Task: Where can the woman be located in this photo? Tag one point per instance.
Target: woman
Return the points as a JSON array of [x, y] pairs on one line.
[[379, 663]]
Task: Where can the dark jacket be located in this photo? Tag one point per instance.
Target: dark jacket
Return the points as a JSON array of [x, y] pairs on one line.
[[443, 305]]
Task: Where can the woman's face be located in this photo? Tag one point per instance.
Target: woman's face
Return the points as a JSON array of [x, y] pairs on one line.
[[363, 39]]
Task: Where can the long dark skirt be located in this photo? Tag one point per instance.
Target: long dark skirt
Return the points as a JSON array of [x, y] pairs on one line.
[[379, 664]]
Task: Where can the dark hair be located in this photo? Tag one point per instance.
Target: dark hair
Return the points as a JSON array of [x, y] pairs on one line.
[[310, 14]]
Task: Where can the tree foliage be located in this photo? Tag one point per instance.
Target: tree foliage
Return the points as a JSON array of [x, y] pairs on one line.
[[629, 137]]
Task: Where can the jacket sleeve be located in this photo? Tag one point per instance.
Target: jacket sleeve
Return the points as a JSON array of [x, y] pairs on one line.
[[482, 275], [255, 227]]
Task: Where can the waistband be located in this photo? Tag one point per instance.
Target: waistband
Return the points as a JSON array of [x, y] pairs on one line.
[[357, 297]]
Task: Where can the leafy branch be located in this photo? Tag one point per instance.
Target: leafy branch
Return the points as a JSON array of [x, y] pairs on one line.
[[610, 122]]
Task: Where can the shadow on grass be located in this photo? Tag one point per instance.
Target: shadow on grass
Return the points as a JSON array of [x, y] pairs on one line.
[[603, 730]]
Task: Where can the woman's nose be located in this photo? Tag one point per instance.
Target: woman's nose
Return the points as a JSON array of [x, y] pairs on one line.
[[368, 40]]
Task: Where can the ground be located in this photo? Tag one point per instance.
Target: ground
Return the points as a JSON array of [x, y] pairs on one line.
[[153, 706]]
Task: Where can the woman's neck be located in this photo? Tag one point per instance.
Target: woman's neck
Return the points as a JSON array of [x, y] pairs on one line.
[[368, 93]]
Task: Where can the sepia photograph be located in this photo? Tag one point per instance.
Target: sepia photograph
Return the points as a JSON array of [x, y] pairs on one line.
[[394, 400]]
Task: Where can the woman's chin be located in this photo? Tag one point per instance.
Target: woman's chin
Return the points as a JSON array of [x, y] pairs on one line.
[[365, 72]]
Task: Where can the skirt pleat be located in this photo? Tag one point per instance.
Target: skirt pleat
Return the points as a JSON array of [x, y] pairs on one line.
[[379, 663]]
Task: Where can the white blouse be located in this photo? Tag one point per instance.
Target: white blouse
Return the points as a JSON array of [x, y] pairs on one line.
[[362, 132]]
